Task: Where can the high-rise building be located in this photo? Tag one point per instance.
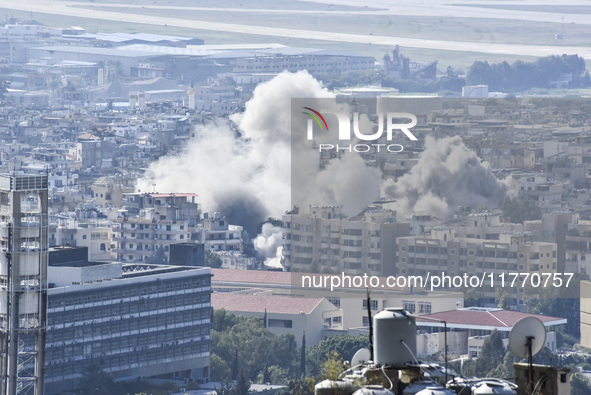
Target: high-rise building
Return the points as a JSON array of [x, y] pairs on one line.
[[23, 282]]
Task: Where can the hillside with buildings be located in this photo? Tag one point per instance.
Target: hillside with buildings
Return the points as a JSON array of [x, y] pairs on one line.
[[181, 212]]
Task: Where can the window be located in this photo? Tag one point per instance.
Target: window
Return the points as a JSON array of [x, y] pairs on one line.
[[336, 302], [424, 307], [280, 323], [365, 320], [409, 306], [374, 304]]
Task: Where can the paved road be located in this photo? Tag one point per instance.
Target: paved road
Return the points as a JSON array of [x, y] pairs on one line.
[[424, 7]]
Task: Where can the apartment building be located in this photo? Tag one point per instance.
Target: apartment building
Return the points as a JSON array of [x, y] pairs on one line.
[[442, 251], [151, 222], [141, 239], [172, 206], [326, 239], [218, 234]]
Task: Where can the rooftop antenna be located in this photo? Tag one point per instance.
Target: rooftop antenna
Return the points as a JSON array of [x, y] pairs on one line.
[[526, 339]]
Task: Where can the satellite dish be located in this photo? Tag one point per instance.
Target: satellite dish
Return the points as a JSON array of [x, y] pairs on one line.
[[362, 355], [528, 333]]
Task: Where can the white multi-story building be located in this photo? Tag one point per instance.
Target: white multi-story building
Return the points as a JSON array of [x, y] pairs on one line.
[[139, 239], [217, 234], [325, 239]]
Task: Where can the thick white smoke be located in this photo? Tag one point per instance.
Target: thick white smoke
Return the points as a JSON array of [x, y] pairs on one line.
[[269, 244], [247, 178], [447, 175]]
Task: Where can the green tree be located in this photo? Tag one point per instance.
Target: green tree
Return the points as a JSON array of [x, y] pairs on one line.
[[519, 210], [331, 367], [226, 388], [491, 356], [159, 257], [245, 344], [275, 375], [345, 345], [502, 298], [561, 302], [579, 385], [471, 297], [242, 384], [218, 368], [95, 380], [212, 259], [303, 356]]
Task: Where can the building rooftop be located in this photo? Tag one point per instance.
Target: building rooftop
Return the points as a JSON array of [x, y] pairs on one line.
[[165, 195], [250, 277], [123, 37], [259, 303], [484, 319]]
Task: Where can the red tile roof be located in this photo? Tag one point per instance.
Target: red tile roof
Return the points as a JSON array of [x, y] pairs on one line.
[[250, 276], [500, 319], [258, 303]]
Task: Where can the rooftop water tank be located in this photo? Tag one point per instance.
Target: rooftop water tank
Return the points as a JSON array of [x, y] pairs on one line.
[[393, 328], [492, 388], [335, 387], [373, 390], [435, 390], [416, 387]]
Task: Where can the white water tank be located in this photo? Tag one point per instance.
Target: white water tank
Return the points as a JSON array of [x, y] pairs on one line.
[[417, 386], [373, 390], [492, 388], [393, 328], [335, 387], [435, 390]]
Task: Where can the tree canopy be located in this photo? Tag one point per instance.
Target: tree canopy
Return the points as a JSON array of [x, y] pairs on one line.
[[521, 75], [520, 210]]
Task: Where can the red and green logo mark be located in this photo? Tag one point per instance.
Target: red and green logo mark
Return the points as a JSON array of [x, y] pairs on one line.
[[316, 116]]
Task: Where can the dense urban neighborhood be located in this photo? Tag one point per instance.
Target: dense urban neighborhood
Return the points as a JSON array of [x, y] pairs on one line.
[[179, 217]]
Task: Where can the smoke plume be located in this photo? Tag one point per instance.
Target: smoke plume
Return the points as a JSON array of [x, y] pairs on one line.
[[447, 175], [247, 178], [269, 244]]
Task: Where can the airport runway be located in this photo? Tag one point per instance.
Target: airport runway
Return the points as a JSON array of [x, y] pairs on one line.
[[424, 7]]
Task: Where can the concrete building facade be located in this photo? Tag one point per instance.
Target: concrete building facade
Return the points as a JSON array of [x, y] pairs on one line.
[[325, 239], [442, 251], [132, 320]]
